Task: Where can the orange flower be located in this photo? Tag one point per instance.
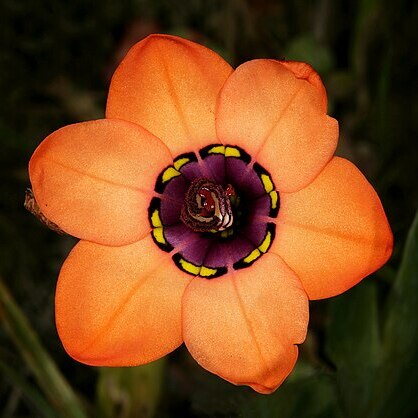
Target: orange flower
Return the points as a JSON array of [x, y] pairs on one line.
[[210, 209]]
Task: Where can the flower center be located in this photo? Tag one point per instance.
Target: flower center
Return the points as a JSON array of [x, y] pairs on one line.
[[207, 206], [214, 211]]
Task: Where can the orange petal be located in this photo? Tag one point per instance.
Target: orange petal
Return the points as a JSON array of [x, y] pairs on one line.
[[119, 306], [244, 327], [334, 232], [306, 72], [169, 86], [277, 113], [95, 179]]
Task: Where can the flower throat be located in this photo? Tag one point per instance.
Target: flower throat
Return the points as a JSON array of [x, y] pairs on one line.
[[215, 211]]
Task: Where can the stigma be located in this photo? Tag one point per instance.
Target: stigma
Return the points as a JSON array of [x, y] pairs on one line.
[[207, 206]]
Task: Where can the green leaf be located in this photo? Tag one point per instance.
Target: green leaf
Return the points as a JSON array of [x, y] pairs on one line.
[[353, 345], [57, 390], [130, 392], [396, 391]]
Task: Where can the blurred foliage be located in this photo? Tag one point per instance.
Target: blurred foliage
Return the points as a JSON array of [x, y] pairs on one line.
[[361, 355], [50, 380], [128, 392]]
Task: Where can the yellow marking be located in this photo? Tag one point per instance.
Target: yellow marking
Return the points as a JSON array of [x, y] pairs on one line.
[[232, 152], [224, 234], [180, 163], [266, 243], [267, 183], [252, 256], [189, 267], [155, 219], [207, 272], [169, 174], [274, 198], [158, 234], [219, 149]]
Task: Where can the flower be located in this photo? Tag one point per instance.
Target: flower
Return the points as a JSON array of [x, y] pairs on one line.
[[210, 208]]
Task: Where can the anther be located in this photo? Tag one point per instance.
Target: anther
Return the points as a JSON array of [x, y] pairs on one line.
[[207, 206]]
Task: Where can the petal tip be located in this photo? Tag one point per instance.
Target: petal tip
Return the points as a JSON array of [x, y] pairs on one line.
[[387, 244], [305, 71]]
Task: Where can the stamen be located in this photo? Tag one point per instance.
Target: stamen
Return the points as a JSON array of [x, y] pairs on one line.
[[207, 206]]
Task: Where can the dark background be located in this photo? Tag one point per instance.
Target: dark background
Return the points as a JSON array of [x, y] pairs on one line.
[[56, 59]]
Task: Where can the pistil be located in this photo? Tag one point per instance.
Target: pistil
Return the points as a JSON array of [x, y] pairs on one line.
[[207, 206]]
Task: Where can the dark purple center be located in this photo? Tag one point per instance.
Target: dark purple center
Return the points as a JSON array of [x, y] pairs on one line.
[[215, 211]]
